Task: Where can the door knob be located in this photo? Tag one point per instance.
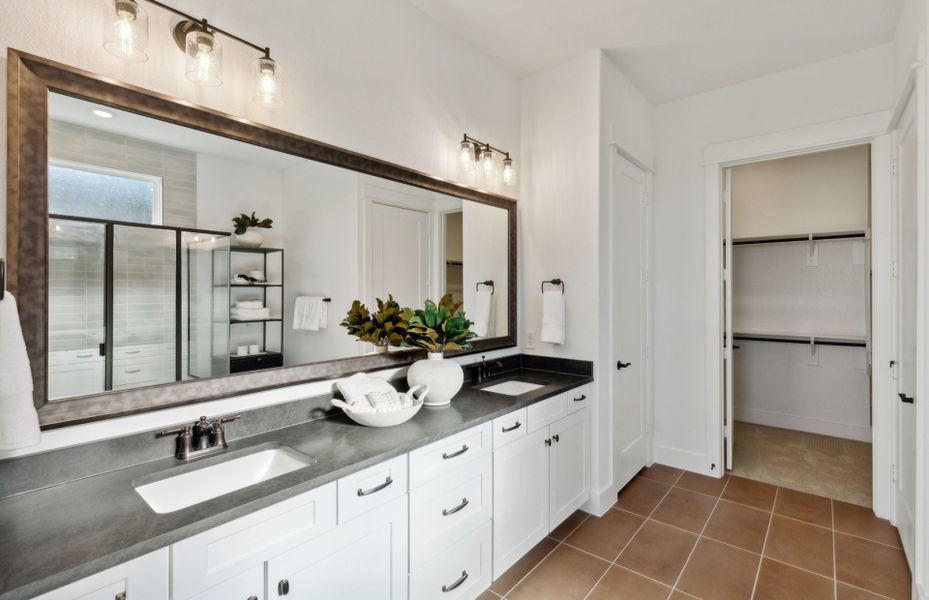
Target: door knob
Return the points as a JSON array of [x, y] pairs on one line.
[[907, 399], [621, 365]]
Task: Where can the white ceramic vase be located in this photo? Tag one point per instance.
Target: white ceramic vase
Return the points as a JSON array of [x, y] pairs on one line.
[[444, 378], [250, 239]]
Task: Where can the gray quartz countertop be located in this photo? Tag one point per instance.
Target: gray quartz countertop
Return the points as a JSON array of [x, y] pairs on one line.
[[60, 534]]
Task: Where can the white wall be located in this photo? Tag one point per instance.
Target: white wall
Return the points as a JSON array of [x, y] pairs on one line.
[[849, 85], [485, 230]]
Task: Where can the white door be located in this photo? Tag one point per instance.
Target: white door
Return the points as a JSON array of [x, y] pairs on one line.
[[398, 254], [520, 498], [729, 339], [907, 229], [629, 216], [363, 558], [569, 466]]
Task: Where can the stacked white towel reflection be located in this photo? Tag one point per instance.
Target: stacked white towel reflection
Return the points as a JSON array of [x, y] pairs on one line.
[[246, 310], [249, 304], [311, 313], [552, 317], [19, 422], [481, 313], [355, 390]]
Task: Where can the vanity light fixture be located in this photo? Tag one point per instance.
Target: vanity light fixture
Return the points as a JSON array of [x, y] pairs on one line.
[[473, 151], [126, 36]]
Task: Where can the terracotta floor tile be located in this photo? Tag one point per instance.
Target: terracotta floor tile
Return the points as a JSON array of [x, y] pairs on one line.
[[511, 576], [800, 544], [661, 473], [685, 509], [719, 572], [803, 506], [567, 574], [487, 595], [568, 525], [871, 566], [753, 493], [607, 535], [860, 521], [658, 551], [641, 495], [777, 581], [620, 583], [704, 484], [738, 525], [679, 595], [847, 592]]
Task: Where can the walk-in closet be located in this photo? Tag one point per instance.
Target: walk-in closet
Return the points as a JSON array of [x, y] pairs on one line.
[[799, 322]]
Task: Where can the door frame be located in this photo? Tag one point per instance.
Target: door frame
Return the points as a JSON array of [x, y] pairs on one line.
[[870, 129]]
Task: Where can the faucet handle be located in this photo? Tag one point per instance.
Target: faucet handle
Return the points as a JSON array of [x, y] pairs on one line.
[[227, 419], [183, 430]]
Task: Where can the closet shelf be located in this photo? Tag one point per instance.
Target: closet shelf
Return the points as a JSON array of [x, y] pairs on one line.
[[817, 237], [799, 338]]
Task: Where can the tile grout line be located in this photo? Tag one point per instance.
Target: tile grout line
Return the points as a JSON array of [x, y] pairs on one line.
[[632, 537], [764, 545], [541, 560], [699, 536], [835, 571]]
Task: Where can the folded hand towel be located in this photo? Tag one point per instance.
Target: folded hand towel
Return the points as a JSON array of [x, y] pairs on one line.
[[249, 304], [481, 313], [245, 314], [356, 388], [19, 422], [311, 313], [553, 325]]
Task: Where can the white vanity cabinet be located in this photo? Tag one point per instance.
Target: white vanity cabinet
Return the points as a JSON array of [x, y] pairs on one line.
[[142, 578], [540, 478]]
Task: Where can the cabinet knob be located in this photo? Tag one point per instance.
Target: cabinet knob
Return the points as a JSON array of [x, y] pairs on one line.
[[253, 598], [283, 587], [556, 438], [548, 442], [120, 596]]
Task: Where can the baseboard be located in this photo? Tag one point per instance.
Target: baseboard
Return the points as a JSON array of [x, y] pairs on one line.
[[861, 433], [600, 502], [682, 459]]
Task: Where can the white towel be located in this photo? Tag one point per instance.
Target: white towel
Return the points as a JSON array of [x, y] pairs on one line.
[[481, 313], [311, 313], [249, 304], [246, 314], [19, 422], [355, 389], [552, 317]]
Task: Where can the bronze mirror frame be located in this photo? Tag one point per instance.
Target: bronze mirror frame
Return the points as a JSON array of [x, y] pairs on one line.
[[30, 79]]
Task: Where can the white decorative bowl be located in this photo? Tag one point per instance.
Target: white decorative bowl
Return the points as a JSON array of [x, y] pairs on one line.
[[381, 419]]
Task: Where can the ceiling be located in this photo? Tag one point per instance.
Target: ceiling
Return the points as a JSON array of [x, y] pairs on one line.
[[670, 48]]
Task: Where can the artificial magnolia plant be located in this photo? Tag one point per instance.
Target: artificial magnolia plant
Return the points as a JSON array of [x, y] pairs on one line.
[[243, 222], [386, 327], [439, 327]]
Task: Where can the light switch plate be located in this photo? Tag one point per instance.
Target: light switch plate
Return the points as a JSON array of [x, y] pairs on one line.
[[530, 339]]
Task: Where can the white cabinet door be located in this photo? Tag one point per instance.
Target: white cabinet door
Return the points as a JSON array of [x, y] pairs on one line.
[[143, 578], [460, 572], [363, 558], [569, 466], [521, 515], [250, 585]]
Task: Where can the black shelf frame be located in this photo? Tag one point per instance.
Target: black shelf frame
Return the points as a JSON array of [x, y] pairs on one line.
[[264, 252]]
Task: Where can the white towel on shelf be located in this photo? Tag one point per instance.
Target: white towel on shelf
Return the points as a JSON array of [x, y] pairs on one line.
[[482, 312], [19, 422], [553, 317], [249, 304], [311, 313], [355, 390], [246, 314]]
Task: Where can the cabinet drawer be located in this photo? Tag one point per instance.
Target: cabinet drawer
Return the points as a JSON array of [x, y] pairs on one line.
[[372, 487], [143, 578], [509, 427], [578, 398], [247, 586], [445, 509], [446, 455], [75, 357], [138, 351], [460, 572], [546, 412], [136, 370], [212, 557]]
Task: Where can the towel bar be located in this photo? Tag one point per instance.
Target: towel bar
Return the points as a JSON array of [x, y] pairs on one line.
[[555, 281], [489, 283], [327, 299]]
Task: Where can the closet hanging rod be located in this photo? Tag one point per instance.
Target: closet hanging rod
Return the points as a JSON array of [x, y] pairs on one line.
[[849, 235], [800, 340]]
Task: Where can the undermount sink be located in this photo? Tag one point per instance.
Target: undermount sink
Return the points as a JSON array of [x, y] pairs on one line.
[[514, 387], [198, 485]]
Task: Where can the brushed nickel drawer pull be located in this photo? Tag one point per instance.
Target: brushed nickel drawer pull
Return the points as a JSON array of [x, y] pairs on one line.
[[130, 372], [132, 351], [253, 598], [581, 399], [376, 488], [451, 511], [447, 456], [513, 428], [84, 355], [456, 583]]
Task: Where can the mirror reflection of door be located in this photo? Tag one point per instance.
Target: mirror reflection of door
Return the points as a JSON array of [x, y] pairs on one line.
[[399, 239], [454, 256]]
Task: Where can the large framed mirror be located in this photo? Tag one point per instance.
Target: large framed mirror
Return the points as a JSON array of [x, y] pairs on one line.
[[137, 293]]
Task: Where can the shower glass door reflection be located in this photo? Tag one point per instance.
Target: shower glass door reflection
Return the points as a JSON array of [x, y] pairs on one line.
[[205, 279]]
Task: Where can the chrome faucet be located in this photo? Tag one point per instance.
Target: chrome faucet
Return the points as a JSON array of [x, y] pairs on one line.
[[482, 369], [200, 439]]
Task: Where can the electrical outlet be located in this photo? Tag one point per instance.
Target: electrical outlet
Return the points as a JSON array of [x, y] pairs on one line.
[[530, 339]]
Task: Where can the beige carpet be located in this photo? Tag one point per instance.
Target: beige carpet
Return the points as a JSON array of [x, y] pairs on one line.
[[817, 464]]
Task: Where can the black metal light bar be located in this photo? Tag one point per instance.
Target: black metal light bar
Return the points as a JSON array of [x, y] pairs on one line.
[[211, 28], [481, 145]]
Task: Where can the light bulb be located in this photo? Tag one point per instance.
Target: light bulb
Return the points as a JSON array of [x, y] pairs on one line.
[[467, 155], [267, 77], [126, 30], [509, 172], [204, 57], [487, 160]]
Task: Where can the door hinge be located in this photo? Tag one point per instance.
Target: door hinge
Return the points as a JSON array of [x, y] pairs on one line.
[[893, 167], [646, 275], [646, 198], [893, 269], [893, 473], [725, 274]]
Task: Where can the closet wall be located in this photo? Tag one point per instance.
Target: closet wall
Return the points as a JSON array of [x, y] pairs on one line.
[[801, 290]]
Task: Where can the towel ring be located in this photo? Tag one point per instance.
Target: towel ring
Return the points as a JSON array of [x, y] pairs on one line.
[[555, 281], [489, 283], [327, 299]]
